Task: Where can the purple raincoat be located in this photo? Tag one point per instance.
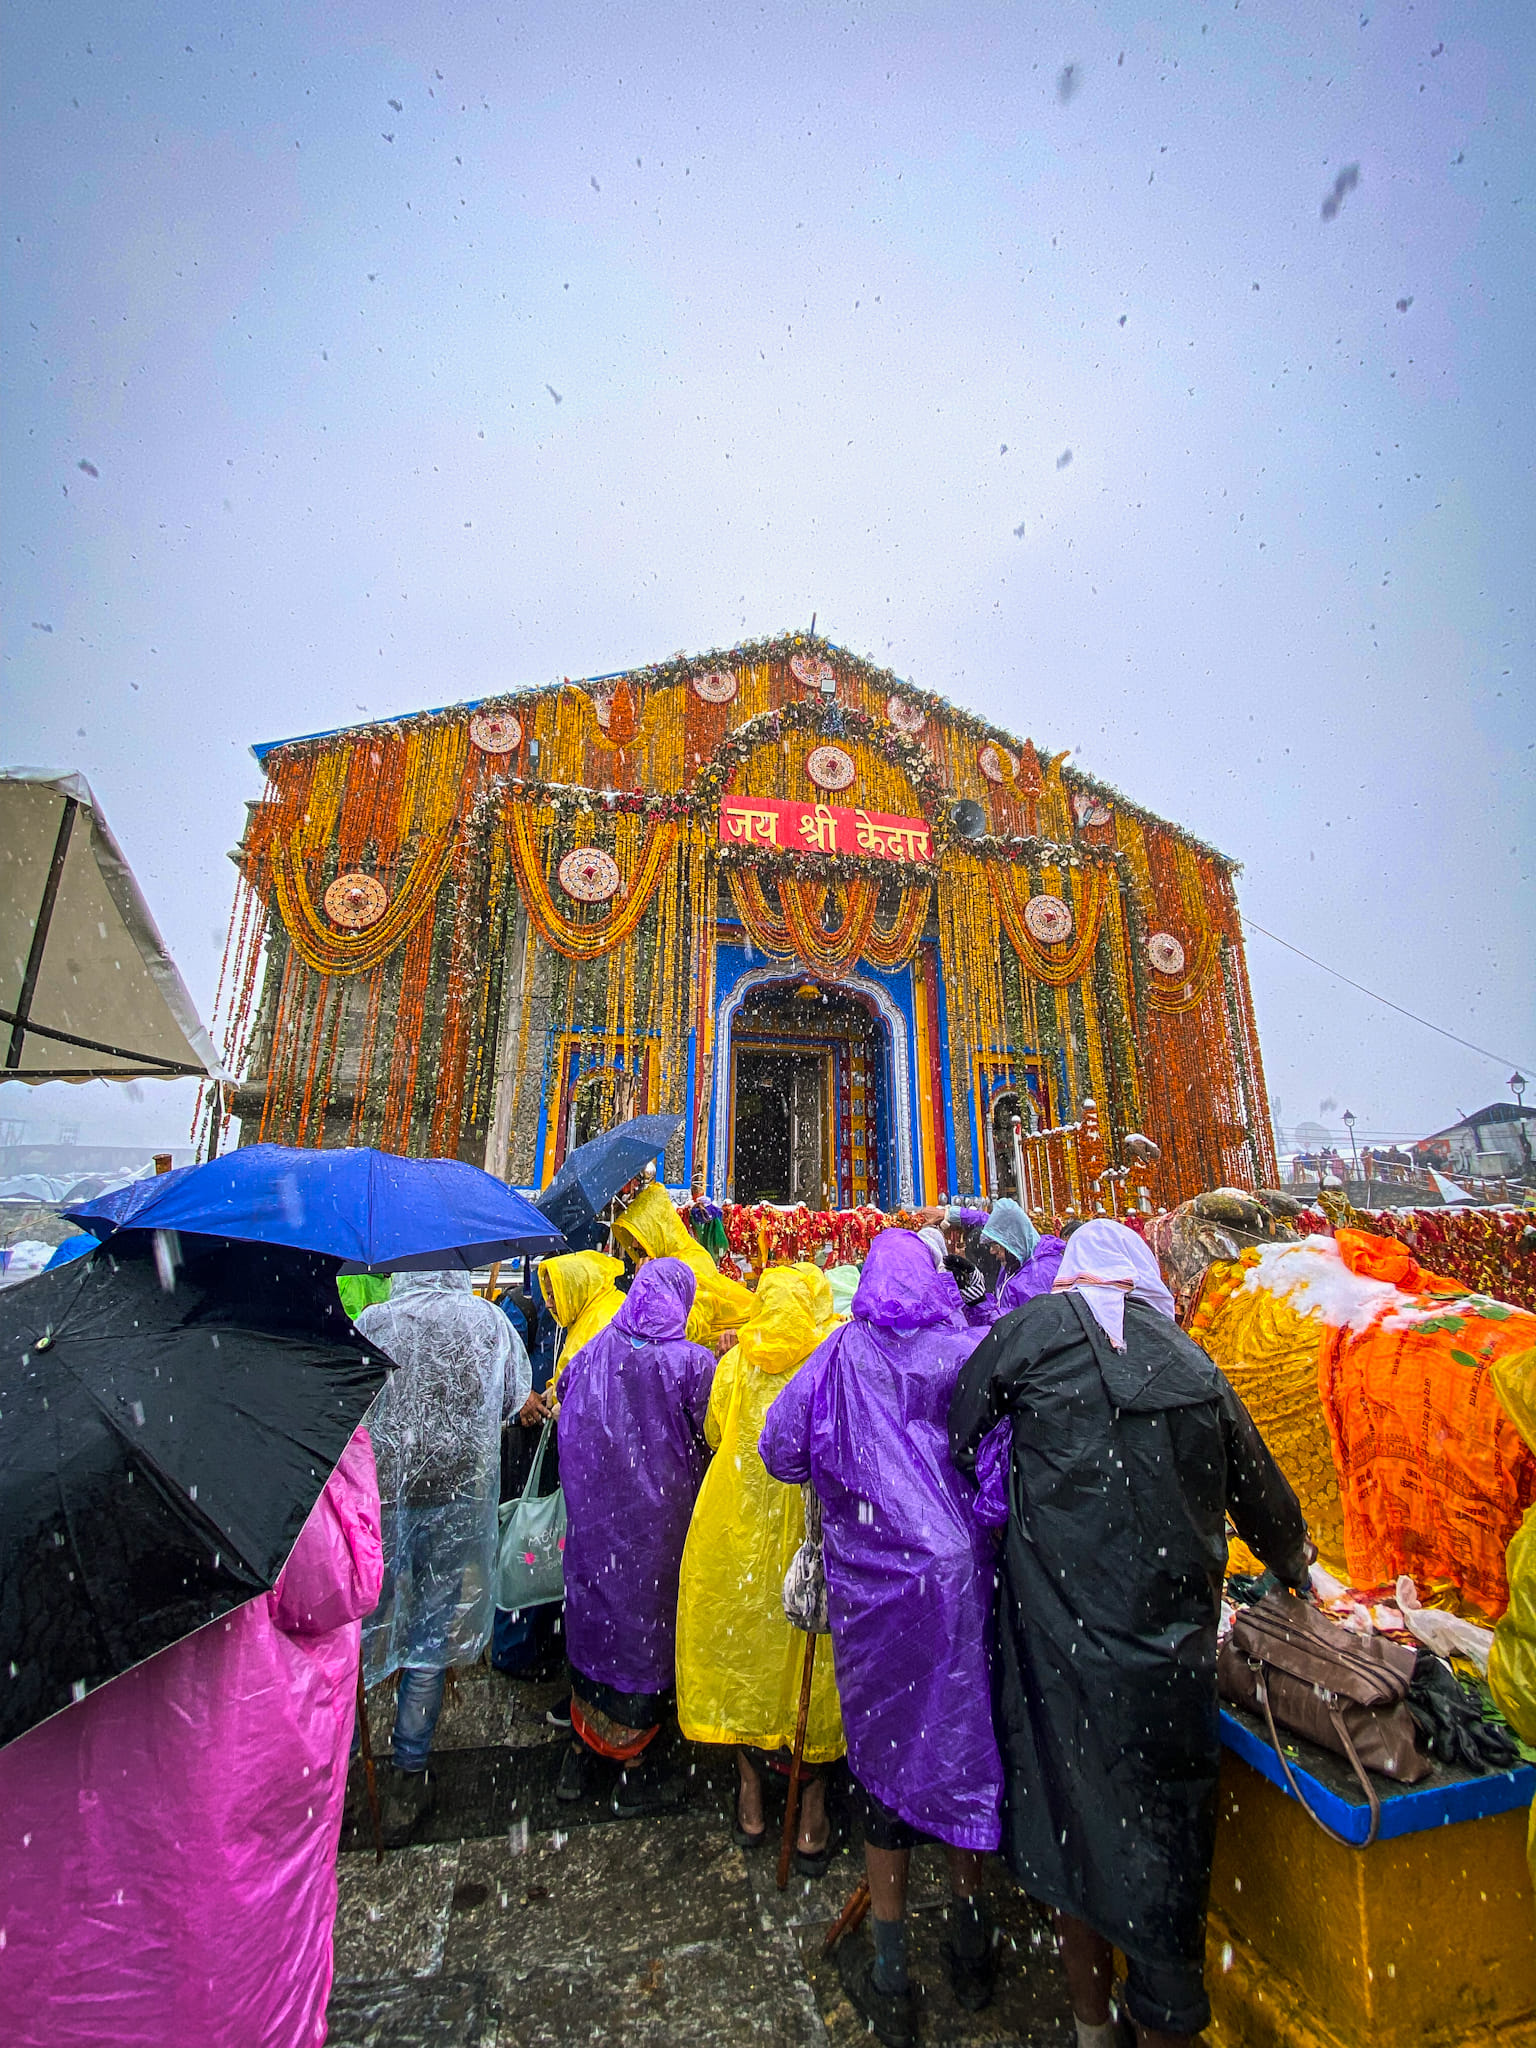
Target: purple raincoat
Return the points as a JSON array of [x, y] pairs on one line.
[[909, 1569], [632, 1408], [1035, 1277]]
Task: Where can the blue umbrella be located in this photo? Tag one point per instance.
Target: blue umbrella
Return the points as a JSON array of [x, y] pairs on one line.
[[593, 1174], [375, 1211]]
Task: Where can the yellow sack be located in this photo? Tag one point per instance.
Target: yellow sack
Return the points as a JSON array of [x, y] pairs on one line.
[[1270, 1354], [651, 1228], [739, 1662], [578, 1286], [1512, 1660]]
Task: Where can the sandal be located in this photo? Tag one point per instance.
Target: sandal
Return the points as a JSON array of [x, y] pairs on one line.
[[817, 1862]]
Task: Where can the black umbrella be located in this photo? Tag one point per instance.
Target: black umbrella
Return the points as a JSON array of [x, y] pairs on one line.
[[169, 1414], [593, 1174]]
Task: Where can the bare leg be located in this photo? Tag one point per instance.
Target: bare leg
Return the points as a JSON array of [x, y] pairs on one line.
[[815, 1827], [887, 1873], [749, 1795], [1088, 1961], [964, 1872]]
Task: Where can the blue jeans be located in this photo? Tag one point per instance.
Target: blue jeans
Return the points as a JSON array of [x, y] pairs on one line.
[[418, 1702]]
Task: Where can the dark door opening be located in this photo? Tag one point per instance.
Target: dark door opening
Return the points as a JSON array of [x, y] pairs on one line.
[[764, 1152]]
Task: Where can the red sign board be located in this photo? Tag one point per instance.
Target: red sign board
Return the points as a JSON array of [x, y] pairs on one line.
[[796, 827]]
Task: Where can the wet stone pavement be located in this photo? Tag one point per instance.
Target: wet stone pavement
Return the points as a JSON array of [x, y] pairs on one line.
[[515, 1921]]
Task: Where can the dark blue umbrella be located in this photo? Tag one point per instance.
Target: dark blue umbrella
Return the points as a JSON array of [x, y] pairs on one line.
[[375, 1211], [593, 1174]]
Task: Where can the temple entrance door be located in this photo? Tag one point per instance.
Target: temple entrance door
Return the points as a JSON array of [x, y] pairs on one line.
[[765, 1087], [779, 1127], [806, 1179]]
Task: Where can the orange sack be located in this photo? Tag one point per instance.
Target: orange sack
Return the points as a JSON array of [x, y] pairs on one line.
[[1433, 1474]]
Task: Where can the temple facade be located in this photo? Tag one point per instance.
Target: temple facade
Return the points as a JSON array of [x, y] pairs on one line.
[[869, 947]]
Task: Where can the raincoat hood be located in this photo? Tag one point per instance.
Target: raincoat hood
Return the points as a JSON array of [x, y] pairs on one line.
[[1105, 1262], [844, 1283], [651, 1223], [656, 1307], [452, 1280], [824, 1308], [574, 1281], [651, 1227], [782, 1327], [1009, 1227], [934, 1239], [900, 1289]]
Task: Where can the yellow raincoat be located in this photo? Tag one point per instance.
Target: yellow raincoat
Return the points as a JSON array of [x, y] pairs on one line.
[[739, 1663], [582, 1298], [651, 1228], [823, 1307], [1512, 1660]]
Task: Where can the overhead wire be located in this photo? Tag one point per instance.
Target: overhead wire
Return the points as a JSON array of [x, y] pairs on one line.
[[1386, 1001]]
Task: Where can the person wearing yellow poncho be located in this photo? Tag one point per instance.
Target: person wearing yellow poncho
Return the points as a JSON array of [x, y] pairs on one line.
[[579, 1288], [739, 1662], [651, 1228], [824, 1310]]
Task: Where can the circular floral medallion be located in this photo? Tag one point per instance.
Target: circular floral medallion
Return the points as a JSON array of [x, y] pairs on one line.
[[829, 767], [1090, 809], [1048, 919], [589, 874], [496, 732], [717, 686], [811, 670], [1166, 953], [356, 901], [997, 764], [905, 715]]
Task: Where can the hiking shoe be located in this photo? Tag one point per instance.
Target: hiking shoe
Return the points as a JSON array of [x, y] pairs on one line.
[[572, 1781], [405, 1799], [559, 1715], [891, 2014], [645, 1788], [971, 1978]]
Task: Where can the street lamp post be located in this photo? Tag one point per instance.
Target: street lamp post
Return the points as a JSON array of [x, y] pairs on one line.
[[1349, 1119], [1517, 1089]]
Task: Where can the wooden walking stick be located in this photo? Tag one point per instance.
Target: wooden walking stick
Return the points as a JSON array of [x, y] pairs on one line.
[[850, 1919], [792, 1801], [370, 1775]]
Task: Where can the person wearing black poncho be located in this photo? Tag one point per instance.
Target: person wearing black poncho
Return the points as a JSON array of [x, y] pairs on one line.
[[1129, 1451]]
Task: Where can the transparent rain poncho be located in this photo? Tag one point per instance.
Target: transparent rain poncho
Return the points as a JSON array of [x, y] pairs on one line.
[[460, 1371]]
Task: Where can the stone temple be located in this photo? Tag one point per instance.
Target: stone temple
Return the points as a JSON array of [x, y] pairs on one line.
[[871, 948]]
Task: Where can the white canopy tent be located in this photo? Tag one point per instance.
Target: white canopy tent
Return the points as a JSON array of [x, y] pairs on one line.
[[88, 991]]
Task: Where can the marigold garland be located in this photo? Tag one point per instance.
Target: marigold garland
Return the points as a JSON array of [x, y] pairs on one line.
[[587, 941]]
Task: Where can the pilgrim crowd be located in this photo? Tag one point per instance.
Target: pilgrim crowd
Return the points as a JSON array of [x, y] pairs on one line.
[[1022, 1472]]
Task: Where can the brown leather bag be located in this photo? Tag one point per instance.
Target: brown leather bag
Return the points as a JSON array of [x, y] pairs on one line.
[[1344, 1691]]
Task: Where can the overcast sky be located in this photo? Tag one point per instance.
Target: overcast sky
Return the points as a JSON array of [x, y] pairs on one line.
[[827, 294]]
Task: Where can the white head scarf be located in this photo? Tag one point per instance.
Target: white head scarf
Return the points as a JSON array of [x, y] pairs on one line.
[[934, 1239], [1104, 1263]]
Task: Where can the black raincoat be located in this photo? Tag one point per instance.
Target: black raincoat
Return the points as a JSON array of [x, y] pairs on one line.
[[1125, 1466]]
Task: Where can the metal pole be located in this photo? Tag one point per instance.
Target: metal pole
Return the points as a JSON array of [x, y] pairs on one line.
[[34, 965]]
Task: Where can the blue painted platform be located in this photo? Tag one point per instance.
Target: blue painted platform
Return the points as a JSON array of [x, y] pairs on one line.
[[1448, 1796]]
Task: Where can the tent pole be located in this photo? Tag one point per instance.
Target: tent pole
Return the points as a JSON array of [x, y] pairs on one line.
[[40, 933]]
